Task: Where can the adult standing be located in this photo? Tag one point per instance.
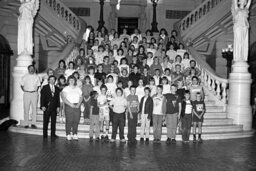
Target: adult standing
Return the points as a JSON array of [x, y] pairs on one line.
[[30, 84], [50, 104], [72, 97], [173, 109]]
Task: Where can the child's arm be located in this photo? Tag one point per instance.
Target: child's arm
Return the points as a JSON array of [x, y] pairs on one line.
[[91, 107], [129, 110], [194, 112]]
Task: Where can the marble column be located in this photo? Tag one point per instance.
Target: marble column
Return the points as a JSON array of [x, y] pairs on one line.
[[28, 10], [239, 107]]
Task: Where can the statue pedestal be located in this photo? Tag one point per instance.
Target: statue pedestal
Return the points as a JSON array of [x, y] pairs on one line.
[[17, 110], [239, 107]]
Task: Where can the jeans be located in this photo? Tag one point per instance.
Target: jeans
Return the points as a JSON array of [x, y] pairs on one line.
[[157, 126], [87, 110], [171, 125], [118, 122], [186, 126], [72, 119], [94, 123], [145, 126], [132, 125], [30, 99]]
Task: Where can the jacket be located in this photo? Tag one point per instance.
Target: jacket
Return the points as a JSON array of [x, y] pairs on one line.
[[148, 106]]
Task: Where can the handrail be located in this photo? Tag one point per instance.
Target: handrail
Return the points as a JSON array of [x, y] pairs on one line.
[[197, 14], [216, 85], [65, 13]]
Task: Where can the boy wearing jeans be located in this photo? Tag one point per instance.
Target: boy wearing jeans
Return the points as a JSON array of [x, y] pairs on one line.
[[186, 113], [94, 116], [173, 109], [133, 106], [146, 109], [198, 117], [158, 113]]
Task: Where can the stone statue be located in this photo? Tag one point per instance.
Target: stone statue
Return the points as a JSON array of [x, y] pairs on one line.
[[240, 12], [143, 20], [28, 10]]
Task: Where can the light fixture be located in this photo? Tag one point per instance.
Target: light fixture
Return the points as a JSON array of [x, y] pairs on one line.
[[118, 5]]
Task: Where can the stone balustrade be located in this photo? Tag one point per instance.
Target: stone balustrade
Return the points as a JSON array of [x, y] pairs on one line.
[[216, 85], [197, 14], [64, 12]]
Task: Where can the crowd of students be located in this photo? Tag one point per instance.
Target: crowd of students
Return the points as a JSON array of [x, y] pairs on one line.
[[136, 78]]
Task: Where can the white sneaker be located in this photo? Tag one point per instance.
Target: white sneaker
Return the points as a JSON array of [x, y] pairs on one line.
[[69, 137], [123, 140], [112, 140], [75, 137]]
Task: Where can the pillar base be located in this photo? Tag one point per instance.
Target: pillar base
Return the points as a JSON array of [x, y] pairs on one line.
[[17, 110], [239, 108]]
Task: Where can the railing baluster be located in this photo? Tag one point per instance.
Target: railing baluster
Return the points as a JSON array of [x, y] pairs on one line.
[[224, 93], [218, 89], [209, 81]]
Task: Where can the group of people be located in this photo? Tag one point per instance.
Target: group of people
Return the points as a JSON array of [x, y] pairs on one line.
[[116, 78]]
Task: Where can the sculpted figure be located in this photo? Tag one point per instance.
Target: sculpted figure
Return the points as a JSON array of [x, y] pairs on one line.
[[28, 10], [240, 12]]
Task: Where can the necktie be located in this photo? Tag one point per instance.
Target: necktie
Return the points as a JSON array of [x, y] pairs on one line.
[[52, 90]]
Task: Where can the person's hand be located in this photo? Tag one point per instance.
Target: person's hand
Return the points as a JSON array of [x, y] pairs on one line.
[[44, 109], [72, 105]]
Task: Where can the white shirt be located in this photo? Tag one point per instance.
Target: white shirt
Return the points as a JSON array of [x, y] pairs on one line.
[[186, 63], [99, 56], [172, 54], [111, 88], [143, 105], [73, 95], [102, 100], [30, 82], [158, 105], [150, 61], [166, 88], [188, 109], [119, 104], [69, 72], [181, 52], [127, 92], [140, 92]]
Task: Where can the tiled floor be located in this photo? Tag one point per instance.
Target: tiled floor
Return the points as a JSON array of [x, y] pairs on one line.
[[30, 152]]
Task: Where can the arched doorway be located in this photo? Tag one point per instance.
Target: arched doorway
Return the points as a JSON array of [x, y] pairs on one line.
[[5, 55]]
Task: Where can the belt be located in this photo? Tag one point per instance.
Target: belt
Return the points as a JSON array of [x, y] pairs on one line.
[[30, 91]]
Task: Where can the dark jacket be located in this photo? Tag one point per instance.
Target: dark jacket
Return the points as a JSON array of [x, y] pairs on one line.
[[47, 100], [148, 106], [183, 107]]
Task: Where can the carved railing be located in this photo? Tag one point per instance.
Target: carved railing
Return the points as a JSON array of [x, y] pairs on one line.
[[73, 54], [65, 13], [197, 14], [216, 85]]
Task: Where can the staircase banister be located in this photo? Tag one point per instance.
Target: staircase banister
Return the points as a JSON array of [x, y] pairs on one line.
[[198, 12], [199, 59]]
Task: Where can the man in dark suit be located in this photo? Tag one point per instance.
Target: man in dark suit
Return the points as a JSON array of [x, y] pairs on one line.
[[50, 103]]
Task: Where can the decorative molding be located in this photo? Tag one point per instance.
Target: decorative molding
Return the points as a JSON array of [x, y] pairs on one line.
[[175, 14]]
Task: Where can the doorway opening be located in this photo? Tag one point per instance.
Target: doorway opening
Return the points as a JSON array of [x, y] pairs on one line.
[[129, 23]]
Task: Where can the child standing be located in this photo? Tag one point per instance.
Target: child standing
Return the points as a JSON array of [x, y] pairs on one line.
[[186, 113], [118, 104], [104, 113], [94, 117], [133, 107], [198, 117]]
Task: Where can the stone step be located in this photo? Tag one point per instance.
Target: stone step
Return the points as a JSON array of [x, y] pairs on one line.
[[205, 136], [207, 121], [206, 128]]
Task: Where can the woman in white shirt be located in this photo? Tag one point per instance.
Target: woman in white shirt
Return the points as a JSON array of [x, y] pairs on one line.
[[70, 70], [72, 98], [118, 105]]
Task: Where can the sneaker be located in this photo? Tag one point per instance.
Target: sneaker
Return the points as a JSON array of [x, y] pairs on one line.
[[168, 141], [112, 140], [158, 141], [33, 126], [69, 137], [173, 141], [194, 140], [155, 141], [200, 140], [141, 139], [91, 139], [147, 139], [106, 138], [75, 137], [123, 140], [26, 126], [102, 137], [97, 139]]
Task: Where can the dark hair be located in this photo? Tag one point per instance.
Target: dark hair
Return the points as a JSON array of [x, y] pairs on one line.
[[102, 80], [88, 78], [187, 92], [120, 50], [82, 49], [93, 94], [110, 76], [132, 87], [51, 76], [119, 89], [103, 86], [167, 69], [120, 82], [147, 88], [71, 77], [71, 62], [31, 66], [186, 53], [62, 77], [62, 61], [195, 77], [165, 78], [76, 73], [174, 85], [192, 61], [105, 57], [160, 86], [149, 31]]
